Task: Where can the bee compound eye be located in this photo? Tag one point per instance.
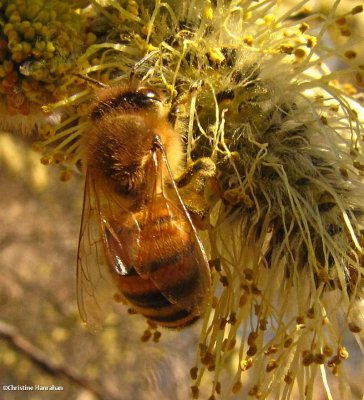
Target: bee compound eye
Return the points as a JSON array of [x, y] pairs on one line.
[[150, 94]]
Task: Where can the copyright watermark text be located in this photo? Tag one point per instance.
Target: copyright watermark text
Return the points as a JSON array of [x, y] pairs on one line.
[[29, 388]]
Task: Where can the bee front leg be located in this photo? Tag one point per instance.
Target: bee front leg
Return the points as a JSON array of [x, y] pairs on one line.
[[192, 188]]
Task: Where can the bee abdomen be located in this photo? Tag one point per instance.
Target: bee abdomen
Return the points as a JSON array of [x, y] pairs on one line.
[[153, 299], [156, 307], [161, 305], [176, 319], [146, 293], [165, 283]]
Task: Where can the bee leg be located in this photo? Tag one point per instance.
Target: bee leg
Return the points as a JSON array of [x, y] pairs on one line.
[[135, 67], [91, 80], [192, 185], [198, 171]]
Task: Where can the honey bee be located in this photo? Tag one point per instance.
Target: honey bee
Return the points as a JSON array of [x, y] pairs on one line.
[[136, 233]]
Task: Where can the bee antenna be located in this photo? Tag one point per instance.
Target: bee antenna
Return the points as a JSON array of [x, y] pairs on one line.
[[91, 80], [157, 143], [140, 63]]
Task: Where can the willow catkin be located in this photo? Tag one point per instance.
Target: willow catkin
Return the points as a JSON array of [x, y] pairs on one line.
[[247, 83]]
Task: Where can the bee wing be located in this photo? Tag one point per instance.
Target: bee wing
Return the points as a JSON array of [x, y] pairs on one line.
[[99, 247], [180, 267]]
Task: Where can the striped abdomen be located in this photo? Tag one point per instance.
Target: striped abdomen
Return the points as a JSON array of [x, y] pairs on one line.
[[162, 277]]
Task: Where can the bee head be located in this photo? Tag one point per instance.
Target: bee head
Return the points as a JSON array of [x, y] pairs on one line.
[[142, 98]]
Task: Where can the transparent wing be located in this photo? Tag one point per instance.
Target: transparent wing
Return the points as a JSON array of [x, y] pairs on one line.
[[100, 249], [174, 258]]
